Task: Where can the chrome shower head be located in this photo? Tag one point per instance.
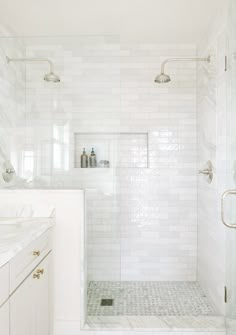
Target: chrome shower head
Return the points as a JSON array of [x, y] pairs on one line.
[[49, 77], [52, 77], [162, 78]]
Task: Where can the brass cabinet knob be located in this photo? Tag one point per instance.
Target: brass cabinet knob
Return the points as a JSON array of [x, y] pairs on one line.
[[36, 275], [36, 253], [40, 271]]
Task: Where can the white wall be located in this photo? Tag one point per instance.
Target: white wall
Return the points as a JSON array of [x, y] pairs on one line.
[[142, 21], [141, 221]]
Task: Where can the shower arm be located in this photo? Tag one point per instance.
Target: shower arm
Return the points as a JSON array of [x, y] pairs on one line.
[[32, 60], [188, 59]]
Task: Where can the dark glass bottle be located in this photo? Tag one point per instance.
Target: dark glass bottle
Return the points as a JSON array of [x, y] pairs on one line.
[[92, 159], [84, 159]]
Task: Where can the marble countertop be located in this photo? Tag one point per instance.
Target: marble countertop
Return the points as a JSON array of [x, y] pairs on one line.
[[17, 233]]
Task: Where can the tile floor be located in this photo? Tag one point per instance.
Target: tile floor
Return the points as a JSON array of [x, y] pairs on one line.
[[148, 299]]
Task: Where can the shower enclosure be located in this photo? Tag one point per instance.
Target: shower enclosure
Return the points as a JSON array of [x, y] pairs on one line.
[[156, 252]]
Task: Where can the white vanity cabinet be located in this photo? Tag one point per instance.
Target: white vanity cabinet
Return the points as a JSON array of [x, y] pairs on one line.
[[29, 304], [25, 290]]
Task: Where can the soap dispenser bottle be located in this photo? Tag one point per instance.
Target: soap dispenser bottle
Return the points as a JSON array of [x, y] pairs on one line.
[[84, 159], [93, 159]]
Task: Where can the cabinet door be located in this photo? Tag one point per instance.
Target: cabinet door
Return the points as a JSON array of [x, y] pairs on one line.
[[4, 319], [22, 309], [29, 304]]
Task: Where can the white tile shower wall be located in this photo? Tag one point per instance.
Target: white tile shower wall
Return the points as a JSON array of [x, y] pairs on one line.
[[141, 221], [12, 104], [158, 205], [211, 111]]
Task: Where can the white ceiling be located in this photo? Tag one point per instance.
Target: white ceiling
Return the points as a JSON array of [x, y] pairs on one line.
[[180, 21]]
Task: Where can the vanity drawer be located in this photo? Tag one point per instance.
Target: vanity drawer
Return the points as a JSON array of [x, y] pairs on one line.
[[4, 283], [28, 259]]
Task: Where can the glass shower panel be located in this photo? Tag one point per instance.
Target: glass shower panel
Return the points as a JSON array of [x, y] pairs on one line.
[[12, 109], [29, 108], [230, 201], [47, 127]]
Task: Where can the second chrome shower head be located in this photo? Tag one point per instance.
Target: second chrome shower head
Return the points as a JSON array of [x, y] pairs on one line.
[[164, 78]]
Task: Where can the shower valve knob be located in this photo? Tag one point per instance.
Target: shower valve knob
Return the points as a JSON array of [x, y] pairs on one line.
[[206, 172]]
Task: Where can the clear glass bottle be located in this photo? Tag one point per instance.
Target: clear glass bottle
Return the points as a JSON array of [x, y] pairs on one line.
[[84, 159], [92, 159]]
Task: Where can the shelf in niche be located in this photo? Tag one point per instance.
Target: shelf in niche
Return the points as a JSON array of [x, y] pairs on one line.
[[111, 168], [122, 150]]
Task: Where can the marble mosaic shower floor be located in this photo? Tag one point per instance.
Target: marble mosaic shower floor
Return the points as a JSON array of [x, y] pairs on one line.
[[148, 299]]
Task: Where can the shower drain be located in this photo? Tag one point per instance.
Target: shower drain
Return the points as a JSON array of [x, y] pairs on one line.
[[106, 302]]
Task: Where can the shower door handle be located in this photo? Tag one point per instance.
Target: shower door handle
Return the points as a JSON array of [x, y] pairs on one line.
[[224, 195]]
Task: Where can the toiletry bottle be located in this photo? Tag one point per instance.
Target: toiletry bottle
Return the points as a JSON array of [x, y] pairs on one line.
[[92, 159], [84, 159]]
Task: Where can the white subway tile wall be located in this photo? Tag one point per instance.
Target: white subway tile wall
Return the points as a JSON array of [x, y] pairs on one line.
[[142, 222]]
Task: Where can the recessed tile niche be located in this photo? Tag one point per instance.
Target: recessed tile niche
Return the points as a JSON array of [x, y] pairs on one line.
[[122, 150]]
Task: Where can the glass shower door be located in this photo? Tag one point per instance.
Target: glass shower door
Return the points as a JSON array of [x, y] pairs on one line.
[[228, 210]]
